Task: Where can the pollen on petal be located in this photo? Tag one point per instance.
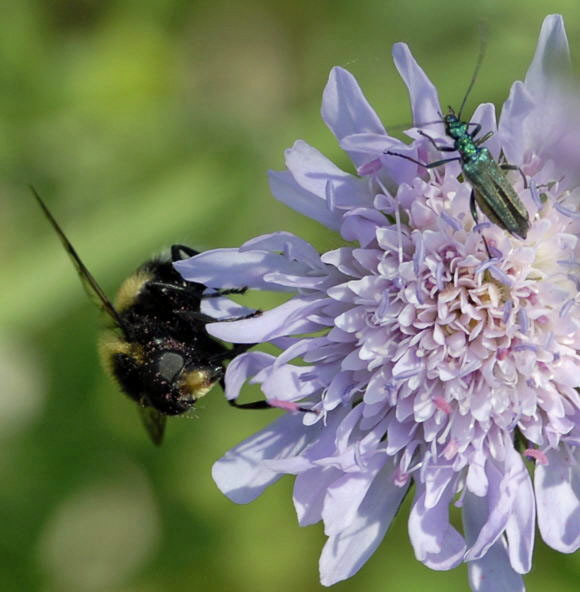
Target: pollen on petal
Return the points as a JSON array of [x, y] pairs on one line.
[[539, 456]]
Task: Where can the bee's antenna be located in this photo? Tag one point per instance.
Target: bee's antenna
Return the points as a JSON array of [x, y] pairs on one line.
[[482, 45]]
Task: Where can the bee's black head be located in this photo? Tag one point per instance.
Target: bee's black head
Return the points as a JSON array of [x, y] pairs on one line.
[[176, 380], [164, 373]]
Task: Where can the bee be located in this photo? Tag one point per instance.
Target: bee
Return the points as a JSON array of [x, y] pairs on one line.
[[156, 346]]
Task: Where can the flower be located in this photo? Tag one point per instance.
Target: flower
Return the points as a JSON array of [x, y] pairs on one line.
[[423, 360]]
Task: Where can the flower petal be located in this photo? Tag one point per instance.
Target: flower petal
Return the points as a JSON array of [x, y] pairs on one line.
[[240, 473], [437, 544], [230, 268], [289, 318], [361, 224], [520, 529], [492, 572], [285, 189], [313, 172], [290, 383], [367, 146], [551, 60], [223, 308], [511, 123], [345, 553], [243, 367], [485, 116], [289, 245], [310, 491], [345, 109], [422, 92], [345, 495], [558, 495], [503, 488]]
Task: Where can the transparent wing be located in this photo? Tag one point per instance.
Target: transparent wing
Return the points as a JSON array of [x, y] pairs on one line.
[[154, 423], [90, 284]]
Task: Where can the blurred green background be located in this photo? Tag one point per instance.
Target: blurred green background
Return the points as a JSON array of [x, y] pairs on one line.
[[144, 123]]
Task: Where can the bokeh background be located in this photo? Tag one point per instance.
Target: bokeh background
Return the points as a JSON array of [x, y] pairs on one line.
[[149, 122]]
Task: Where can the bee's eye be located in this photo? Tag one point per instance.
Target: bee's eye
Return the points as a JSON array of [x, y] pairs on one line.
[[170, 364]]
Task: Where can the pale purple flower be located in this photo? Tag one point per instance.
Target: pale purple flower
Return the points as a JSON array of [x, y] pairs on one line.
[[423, 360]]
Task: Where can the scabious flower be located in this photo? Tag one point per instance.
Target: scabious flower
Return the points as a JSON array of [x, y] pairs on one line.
[[424, 361]]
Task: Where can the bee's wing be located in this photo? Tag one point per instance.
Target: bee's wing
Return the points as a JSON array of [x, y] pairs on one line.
[[89, 282], [154, 423]]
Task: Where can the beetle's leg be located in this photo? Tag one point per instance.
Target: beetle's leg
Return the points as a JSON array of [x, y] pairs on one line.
[[483, 138], [514, 167], [427, 165], [475, 215], [434, 143], [475, 131]]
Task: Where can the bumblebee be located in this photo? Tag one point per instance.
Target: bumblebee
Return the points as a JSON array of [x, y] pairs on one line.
[[156, 346]]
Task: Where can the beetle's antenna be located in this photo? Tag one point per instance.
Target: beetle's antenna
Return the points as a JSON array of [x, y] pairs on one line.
[[482, 45]]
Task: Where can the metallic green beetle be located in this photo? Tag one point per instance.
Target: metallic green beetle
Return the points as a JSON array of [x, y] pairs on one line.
[[491, 190]]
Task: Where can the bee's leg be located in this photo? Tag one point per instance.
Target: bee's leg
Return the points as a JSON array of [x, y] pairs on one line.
[[165, 287], [275, 404], [180, 252], [225, 292], [198, 316], [240, 348], [250, 315], [195, 316], [252, 405]]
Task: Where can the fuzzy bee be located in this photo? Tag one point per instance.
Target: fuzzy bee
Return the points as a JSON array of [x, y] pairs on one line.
[[156, 346]]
